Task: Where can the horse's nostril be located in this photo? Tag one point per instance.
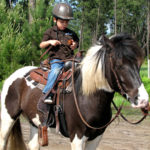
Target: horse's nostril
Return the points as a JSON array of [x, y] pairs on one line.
[[129, 99], [136, 102]]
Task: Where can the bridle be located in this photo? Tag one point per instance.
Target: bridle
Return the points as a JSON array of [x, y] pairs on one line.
[[145, 112]]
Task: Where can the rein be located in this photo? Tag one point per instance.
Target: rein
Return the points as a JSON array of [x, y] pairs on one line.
[[125, 119], [123, 93], [78, 109]]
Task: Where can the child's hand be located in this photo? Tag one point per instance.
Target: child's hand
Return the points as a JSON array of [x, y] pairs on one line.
[[54, 42], [73, 45]]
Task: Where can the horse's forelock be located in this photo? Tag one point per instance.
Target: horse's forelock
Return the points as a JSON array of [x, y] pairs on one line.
[[126, 46]]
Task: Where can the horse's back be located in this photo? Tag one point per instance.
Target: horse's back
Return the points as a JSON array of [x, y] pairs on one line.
[[18, 74]]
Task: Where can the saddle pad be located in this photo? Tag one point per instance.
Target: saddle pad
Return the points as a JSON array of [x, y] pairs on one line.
[[39, 76]]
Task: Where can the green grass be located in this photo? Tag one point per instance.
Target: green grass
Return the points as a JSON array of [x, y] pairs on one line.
[[1, 84]]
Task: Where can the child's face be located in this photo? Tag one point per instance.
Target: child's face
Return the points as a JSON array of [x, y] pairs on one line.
[[62, 24]]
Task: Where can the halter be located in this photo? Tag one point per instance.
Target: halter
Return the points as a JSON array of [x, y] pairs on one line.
[[145, 112]]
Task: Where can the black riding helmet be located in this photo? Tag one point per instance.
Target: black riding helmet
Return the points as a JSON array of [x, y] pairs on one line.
[[63, 11]]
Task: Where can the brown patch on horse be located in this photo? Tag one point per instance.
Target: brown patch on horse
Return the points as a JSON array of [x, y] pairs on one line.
[[29, 100], [13, 98], [21, 98]]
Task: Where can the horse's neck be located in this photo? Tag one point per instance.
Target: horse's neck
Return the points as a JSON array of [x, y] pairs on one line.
[[98, 106], [102, 97]]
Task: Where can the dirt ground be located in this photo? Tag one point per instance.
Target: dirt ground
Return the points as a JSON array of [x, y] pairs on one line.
[[118, 136]]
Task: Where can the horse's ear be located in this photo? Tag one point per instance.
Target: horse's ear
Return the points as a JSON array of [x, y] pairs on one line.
[[105, 41]]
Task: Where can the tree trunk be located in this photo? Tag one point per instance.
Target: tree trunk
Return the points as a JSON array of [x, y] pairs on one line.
[[81, 32], [81, 36], [32, 4], [97, 26], [115, 15], [95, 31], [149, 68], [122, 20], [148, 32]]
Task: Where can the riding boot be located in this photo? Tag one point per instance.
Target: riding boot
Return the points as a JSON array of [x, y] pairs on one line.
[[41, 106]]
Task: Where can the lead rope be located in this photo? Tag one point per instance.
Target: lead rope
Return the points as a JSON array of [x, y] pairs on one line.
[[78, 109]]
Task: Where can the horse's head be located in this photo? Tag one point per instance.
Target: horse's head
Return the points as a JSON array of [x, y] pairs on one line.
[[125, 58]]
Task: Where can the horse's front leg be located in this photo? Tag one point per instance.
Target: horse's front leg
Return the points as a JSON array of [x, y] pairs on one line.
[[92, 145], [77, 143]]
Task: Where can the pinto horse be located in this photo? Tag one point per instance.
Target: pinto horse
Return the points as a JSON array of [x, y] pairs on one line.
[[109, 67]]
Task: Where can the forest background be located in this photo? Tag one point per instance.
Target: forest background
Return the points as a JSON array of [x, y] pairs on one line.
[[23, 22]]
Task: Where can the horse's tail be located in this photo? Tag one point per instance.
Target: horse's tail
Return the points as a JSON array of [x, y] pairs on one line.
[[16, 141]]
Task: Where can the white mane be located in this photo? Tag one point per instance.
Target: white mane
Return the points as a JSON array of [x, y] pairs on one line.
[[93, 79]]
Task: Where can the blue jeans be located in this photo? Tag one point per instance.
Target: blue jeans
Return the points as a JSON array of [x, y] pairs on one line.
[[53, 74]]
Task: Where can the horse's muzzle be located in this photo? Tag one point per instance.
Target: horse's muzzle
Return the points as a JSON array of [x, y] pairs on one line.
[[140, 104], [142, 98]]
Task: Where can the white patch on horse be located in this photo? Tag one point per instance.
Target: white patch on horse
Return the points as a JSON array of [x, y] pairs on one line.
[[91, 79], [30, 84], [36, 120], [142, 99], [6, 125], [78, 144], [33, 144], [92, 145]]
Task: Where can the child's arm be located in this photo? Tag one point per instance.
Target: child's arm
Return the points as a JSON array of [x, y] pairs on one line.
[[45, 44]]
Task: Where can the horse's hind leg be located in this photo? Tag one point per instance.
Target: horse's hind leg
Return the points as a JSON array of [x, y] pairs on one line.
[[10, 111], [33, 143], [6, 125]]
